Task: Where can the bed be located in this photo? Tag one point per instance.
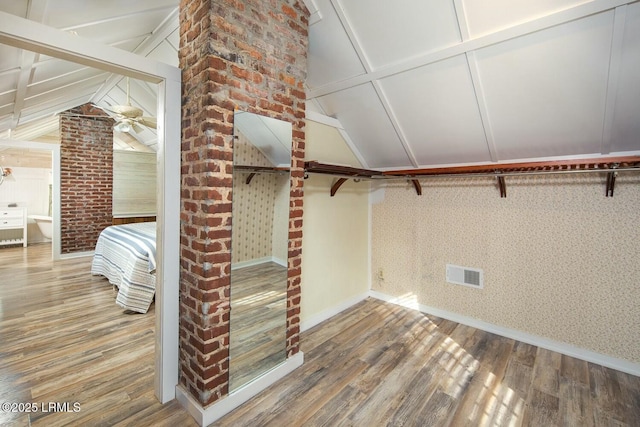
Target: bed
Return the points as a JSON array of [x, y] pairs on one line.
[[126, 256]]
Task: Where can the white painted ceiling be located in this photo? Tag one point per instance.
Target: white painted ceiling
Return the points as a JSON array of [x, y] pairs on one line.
[[412, 83], [34, 87], [441, 82]]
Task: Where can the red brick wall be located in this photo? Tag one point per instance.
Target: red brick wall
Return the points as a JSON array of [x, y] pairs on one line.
[[86, 177], [249, 55]]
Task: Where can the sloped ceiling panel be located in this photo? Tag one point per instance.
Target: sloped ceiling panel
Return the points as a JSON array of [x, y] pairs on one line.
[[53, 74], [72, 13], [165, 52], [359, 109], [625, 132], [391, 31], [546, 91], [331, 55], [438, 113], [9, 67], [487, 16], [34, 109]]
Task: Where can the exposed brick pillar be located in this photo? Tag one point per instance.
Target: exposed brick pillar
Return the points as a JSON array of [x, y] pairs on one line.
[[86, 176], [249, 55]]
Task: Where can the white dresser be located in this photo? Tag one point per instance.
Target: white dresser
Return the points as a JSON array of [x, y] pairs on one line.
[[11, 219]]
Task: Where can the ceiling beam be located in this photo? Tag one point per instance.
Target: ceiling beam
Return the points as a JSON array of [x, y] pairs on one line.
[[461, 17], [26, 34], [554, 19], [348, 28], [476, 82], [353, 39], [395, 123], [36, 10], [481, 102], [24, 77]]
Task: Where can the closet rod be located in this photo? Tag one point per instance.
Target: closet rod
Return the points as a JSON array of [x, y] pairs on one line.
[[473, 175], [494, 174]]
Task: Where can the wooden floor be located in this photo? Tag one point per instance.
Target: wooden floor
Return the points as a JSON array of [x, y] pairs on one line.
[[62, 339], [382, 365]]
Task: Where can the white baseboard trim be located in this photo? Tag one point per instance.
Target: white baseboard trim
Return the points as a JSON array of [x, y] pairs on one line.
[[206, 416], [279, 261], [76, 255], [258, 261], [316, 319], [557, 346]]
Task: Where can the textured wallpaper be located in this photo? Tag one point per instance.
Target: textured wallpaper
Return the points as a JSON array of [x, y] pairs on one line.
[[560, 259], [257, 219]]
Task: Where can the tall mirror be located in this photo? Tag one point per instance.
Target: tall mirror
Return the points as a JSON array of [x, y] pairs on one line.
[[259, 246]]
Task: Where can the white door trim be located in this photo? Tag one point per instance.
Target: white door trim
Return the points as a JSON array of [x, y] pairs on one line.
[[36, 37]]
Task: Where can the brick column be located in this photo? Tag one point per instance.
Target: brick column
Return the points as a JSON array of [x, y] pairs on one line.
[[86, 177], [247, 55]]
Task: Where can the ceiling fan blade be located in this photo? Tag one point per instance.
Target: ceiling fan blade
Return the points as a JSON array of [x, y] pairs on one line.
[[148, 122], [127, 111], [136, 127]]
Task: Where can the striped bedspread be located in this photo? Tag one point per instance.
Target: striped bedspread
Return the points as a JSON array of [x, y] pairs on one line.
[[126, 255]]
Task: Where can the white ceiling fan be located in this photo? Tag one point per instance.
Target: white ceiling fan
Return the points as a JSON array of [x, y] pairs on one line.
[[129, 117]]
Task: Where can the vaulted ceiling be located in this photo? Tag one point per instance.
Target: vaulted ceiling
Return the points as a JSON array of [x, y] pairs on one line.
[[34, 87], [421, 83], [409, 83]]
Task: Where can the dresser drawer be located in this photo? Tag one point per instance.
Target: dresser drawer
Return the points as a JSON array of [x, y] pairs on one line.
[[11, 222], [11, 214]]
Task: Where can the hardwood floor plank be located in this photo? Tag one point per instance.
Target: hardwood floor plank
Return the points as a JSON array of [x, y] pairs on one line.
[[574, 369], [438, 410], [480, 403], [321, 393], [541, 410], [630, 397], [327, 330], [336, 410], [546, 372], [575, 404], [605, 388]]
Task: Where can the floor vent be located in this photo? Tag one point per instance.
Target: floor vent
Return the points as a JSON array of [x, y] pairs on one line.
[[466, 276]]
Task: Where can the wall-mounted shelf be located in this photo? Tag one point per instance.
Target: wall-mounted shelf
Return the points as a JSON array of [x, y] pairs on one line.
[[346, 172], [254, 170], [611, 166]]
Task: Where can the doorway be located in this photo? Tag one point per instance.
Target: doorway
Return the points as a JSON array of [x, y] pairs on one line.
[[35, 37]]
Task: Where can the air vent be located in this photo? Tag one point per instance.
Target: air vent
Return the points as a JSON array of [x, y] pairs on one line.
[[465, 276]]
